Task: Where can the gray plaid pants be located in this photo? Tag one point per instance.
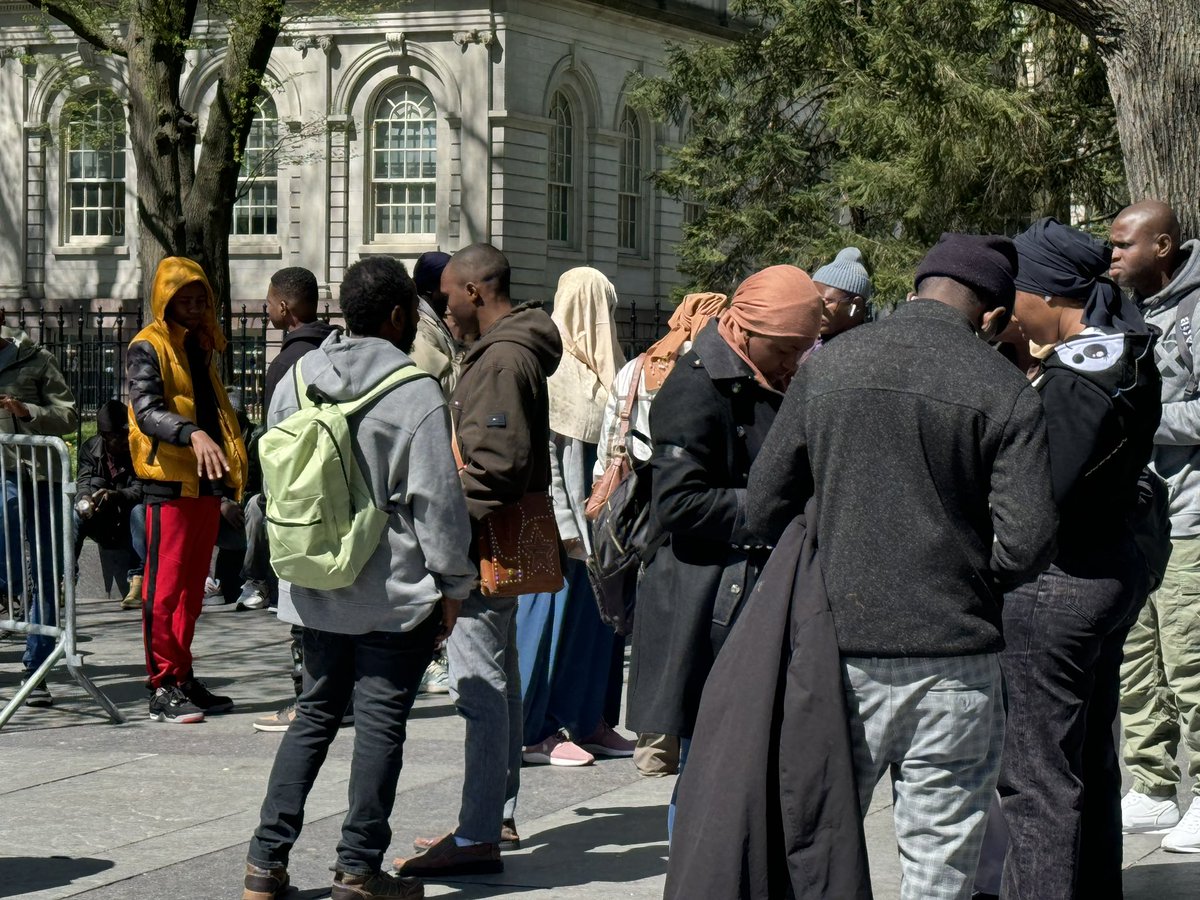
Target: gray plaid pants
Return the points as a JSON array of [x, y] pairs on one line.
[[937, 725]]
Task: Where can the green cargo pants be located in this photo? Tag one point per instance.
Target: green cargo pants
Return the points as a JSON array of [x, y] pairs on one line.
[[1160, 678]]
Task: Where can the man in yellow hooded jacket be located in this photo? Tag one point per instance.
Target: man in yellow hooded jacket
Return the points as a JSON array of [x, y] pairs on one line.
[[188, 453]]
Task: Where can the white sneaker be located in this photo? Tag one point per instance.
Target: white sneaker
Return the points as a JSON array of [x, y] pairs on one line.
[[1185, 837], [436, 679], [213, 598], [1140, 813], [254, 595]]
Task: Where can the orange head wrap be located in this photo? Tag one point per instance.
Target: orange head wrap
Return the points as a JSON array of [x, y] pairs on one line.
[[691, 315], [778, 302]]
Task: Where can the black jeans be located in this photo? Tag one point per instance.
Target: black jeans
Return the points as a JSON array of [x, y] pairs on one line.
[[1060, 781], [384, 670]]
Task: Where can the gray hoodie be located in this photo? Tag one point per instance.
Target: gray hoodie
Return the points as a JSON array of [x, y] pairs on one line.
[[1177, 441], [402, 447]]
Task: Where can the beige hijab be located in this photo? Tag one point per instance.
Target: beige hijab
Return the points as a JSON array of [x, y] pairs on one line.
[[583, 311], [689, 318]]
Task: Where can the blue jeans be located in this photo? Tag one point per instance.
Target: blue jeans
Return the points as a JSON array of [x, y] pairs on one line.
[[383, 671], [685, 744], [42, 565]]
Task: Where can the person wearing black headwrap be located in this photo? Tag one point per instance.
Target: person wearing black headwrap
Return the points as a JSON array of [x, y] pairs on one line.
[[1059, 779]]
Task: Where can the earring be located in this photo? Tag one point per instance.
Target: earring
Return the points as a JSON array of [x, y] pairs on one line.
[[853, 309]]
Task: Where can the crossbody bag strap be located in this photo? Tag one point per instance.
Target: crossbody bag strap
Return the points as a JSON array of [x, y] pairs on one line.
[[631, 397]]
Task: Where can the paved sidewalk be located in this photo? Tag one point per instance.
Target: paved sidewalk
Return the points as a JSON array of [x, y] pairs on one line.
[[153, 812]]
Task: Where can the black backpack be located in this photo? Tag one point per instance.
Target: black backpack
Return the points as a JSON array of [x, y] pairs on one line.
[[624, 537]]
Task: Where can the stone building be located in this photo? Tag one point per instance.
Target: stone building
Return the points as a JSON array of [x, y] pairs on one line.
[[428, 127]]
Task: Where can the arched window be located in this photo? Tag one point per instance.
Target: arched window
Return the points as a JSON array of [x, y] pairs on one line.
[[94, 140], [629, 184], [404, 162], [256, 211], [560, 175]]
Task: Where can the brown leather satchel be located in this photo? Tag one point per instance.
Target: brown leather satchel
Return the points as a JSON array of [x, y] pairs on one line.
[[519, 549], [618, 464], [519, 545]]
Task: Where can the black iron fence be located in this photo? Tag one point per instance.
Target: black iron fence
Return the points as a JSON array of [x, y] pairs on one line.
[[90, 348]]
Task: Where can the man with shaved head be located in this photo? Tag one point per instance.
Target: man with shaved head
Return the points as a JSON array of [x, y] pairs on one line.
[[501, 418], [1160, 689]]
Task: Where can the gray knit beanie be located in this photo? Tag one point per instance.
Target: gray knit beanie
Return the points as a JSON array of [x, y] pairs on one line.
[[847, 273]]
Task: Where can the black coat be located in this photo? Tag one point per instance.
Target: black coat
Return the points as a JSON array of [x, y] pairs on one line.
[[769, 807], [296, 343], [708, 422]]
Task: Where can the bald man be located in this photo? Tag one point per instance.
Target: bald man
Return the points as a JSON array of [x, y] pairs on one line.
[[502, 424], [1160, 677]]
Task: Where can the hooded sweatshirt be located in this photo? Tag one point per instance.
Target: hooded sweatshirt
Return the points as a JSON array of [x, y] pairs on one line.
[[1177, 442], [402, 448], [501, 410], [296, 343], [30, 374], [176, 390]]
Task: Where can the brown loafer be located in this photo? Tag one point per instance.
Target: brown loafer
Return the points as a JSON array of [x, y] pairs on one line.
[[444, 857], [509, 839]]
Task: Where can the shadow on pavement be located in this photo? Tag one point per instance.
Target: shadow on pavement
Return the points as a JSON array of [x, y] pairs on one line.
[[568, 856], [25, 874], [1153, 881]]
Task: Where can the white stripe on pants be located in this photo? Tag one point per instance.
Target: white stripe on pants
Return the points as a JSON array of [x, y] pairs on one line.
[[937, 725]]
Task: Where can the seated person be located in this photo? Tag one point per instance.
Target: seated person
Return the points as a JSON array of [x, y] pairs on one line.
[[108, 506]]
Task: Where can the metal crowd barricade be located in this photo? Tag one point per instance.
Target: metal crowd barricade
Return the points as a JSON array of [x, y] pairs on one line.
[[38, 492]]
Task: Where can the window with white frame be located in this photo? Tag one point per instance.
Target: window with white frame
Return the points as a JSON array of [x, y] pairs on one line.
[[629, 184], [256, 211], [404, 162], [560, 176], [94, 141]]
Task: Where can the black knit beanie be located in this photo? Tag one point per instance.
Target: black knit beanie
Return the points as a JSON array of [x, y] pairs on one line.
[[112, 417], [985, 263]]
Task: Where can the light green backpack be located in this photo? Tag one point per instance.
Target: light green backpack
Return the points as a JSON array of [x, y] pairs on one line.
[[322, 523]]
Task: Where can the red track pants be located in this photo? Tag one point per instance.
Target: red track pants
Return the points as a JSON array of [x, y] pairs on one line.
[[180, 536]]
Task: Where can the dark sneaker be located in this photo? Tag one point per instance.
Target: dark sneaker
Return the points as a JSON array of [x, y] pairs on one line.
[[509, 839], [170, 705], [264, 884], [280, 721], [39, 697], [444, 857], [196, 691], [375, 887]]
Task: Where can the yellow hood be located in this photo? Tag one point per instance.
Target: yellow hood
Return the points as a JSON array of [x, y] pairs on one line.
[[173, 273]]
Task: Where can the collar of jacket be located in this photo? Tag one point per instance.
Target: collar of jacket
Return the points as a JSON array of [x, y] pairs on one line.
[[918, 308], [718, 357]]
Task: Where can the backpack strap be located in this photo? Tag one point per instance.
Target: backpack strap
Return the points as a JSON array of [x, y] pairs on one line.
[[350, 407], [1185, 338]]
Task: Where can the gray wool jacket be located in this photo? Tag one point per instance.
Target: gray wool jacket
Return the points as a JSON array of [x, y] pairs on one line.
[[402, 447], [1177, 442]]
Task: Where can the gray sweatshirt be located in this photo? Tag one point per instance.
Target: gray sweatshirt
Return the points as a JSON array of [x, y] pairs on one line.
[[1177, 441], [402, 447]]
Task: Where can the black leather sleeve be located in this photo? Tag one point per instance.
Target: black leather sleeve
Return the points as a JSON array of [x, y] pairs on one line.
[[146, 397]]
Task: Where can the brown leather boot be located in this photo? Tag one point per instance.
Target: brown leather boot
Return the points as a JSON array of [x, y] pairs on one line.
[[375, 887], [445, 857], [264, 884]]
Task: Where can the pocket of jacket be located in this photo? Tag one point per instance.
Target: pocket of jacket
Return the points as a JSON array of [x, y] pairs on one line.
[[730, 593]]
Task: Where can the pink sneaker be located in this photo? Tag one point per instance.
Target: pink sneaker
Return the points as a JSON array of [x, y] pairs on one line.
[[556, 750], [607, 741]]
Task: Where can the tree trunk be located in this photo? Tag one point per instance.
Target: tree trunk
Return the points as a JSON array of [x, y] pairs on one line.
[[1152, 53], [157, 128], [1154, 77]]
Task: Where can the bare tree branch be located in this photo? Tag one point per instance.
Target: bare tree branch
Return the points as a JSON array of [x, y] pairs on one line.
[[98, 37]]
